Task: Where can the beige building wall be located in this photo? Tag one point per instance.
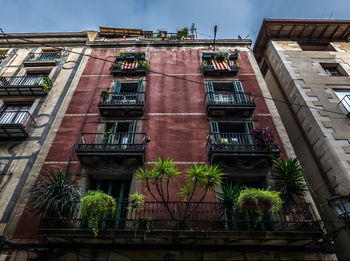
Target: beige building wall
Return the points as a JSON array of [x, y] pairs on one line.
[[21, 160], [306, 84]]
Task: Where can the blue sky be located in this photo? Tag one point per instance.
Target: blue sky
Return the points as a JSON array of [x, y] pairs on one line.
[[233, 17]]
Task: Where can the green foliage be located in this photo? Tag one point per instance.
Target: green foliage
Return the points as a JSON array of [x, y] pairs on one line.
[[259, 197], [3, 52], [291, 178], [54, 195], [180, 35], [228, 197], [94, 206], [47, 84], [137, 201], [144, 64], [201, 178], [142, 223]]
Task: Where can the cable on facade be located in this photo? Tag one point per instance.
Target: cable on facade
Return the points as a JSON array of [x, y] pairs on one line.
[[168, 75]]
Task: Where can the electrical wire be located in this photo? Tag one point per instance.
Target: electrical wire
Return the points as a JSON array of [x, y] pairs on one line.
[[168, 75]]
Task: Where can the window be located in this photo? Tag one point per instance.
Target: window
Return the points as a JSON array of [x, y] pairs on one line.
[[226, 92], [237, 133], [14, 114], [120, 133], [264, 69], [344, 98], [311, 46], [333, 69], [127, 92]]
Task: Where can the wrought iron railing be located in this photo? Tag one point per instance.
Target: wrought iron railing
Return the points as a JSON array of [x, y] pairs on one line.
[[43, 56], [112, 142], [123, 98], [10, 117], [229, 98], [346, 103], [21, 81], [237, 143], [203, 216]]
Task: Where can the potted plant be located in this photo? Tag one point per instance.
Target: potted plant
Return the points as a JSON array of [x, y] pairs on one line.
[[94, 206], [220, 56], [47, 84], [263, 137], [3, 53], [119, 57], [140, 56], [54, 195], [259, 199], [104, 95], [136, 201], [290, 178], [145, 65]]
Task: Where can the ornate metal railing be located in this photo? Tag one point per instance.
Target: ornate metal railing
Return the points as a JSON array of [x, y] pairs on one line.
[[237, 143], [229, 98], [25, 85], [112, 142], [202, 216], [43, 56], [123, 98]]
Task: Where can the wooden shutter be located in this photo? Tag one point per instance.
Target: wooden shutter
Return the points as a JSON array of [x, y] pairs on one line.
[[214, 128], [248, 126], [131, 132], [116, 88], [112, 137], [210, 91], [239, 92], [139, 90]]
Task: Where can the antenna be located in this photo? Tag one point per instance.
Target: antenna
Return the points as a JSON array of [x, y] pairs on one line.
[[215, 30]]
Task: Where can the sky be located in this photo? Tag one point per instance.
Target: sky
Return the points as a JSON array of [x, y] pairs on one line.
[[233, 17]]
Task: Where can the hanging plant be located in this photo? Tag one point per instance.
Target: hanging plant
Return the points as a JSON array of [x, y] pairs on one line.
[[145, 65], [136, 201], [94, 206], [47, 84], [259, 199]]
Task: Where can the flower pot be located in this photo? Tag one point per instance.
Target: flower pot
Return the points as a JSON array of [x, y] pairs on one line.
[[233, 57], [264, 204], [249, 205], [119, 58]]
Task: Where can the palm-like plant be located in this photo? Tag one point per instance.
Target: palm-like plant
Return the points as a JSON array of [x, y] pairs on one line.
[[54, 195], [291, 178], [227, 198]]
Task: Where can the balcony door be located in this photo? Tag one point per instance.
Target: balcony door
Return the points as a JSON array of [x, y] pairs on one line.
[[127, 93], [226, 92], [14, 114], [121, 133], [119, 190], [235, 133]]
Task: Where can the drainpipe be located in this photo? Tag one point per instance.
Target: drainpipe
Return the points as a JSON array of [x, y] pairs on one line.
[[303, 133]]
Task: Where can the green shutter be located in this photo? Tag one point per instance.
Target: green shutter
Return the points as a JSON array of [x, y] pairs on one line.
[[119, 206], [239, 92], [112, 137], [214, 128], [116, 88], [248, 126], [139, 90], [210, 91], [131, 132]]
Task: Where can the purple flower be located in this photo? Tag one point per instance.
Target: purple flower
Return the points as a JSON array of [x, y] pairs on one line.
[[262, 136]]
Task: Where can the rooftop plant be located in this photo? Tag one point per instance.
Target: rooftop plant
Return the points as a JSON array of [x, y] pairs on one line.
[[290, 178], [54, 195], [94, 206]]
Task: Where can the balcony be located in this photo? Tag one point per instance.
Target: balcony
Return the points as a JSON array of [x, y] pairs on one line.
[[41, 59], [294, 225], [15, 124], [211, 70], [25, 86], [108, 148], [130, 64], [224, 103], [221, 146], [122, 104]]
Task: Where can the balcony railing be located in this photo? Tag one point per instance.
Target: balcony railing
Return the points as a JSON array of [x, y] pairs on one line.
[[196, 216], [15, 124], [346, 103], [43, 56], [230, 144], [210, 69], [23, 86], [122, 103]]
